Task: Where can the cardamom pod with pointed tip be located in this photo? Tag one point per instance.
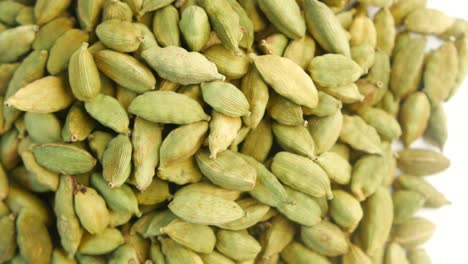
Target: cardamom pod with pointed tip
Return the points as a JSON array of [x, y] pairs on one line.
[[223, 131], [421, 162], [437, 130], [147, 34], [83, 74], [195, 27], [203, 208], [325, 27], [228, 170], [47, 10], [38, 249], [199, 238], [386, 125], [50, 32], [146, 140], [325, 238], [364, 56], [125, 70], [293, 84], [285, 16], [99, 244], [117, 161], [245, 23], [42, 128], [225, 98], [295, 139], [16, 42], [348, 94], [325, 131], [64, 159], [233, 66], [119, 35], [299, 254], [78, 124], [374, 229], [337, 168], [441, 69], [405, 204], [225, 22], [345, 210], [407, 67], [237, 245], [88, 12], [91, 209], [64, 48], [434, 198], [256, 93], [413, 232], [109, 112], [259, 141], [414, 117], [360, 135], [151, 223], [47, 95], [334, 70], [254, 213], [301, 174], [166, 26], [120, 199]]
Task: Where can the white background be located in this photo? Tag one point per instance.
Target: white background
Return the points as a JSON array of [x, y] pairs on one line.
[[449, 244]]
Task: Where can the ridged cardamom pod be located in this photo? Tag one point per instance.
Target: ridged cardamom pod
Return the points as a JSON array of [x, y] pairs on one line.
[[225, 98], [237, 245], [117, 161], [345, 210], [109, 112], [195, 27], [360, 135], [295, 139], [286, 16], [91, 209], [63, 49], [16, 42], [325, 238], [334, 70], [99, 244]]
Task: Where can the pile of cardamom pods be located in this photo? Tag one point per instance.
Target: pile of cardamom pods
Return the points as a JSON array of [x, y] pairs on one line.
[[222, 131]]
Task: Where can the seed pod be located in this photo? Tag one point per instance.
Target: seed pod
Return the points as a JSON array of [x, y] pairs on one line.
[[151, 5], [385, 29], [434, 198], [42, 128], [225, 98], [302, 174], [362, 31], [406, 204], [300, 208], [256, 93], [99, 244], [295, 139], [325, 131], [437, 130], [414, 117], [228, 170], [176, 253], [91, 210], [245, 23], [400, 9], [407, 67], [181, 172], [355, 255], [334, 70], [115, 119], [331, 37], [297, 253], [166, 26], [386, 125], [345, 210], [199, 238], [63, 49], [155, 193], [119, 35], [116, 10], [125, 70], [83, 75], [10, 10], [413, 232], [177, 65], [325, 238], [233, 66], [376, 224], [418, 256], [337, 168], [78, 124], [422, 162], [225, 22], [237, 245], [39, 249], [360, 135], [151, 224], [8, 239], [68, 225], [296, 85], [301, 51], [182, 143], [285, 111], [35, 98], [65, 159], [120, 199], [195, 27], [117, 161], [428, 21], [223, 130], [204, 208], [327, 106], [88, 12], [16, 42], [46, 11], [39, 174], [286, 17], [364, 56], [441, 71], [254, 213], [259, 141]]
